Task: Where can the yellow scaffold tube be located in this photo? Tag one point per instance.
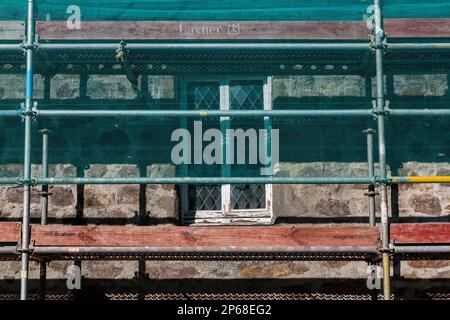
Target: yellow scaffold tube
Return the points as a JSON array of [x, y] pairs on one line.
[[421, 179]]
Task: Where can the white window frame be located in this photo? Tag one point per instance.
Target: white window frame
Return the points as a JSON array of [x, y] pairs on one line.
[[226, 216]]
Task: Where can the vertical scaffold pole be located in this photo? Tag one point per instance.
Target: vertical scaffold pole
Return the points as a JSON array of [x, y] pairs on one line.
[[44, 207], [379, 36], [44, 190], [371, 195], [371, 188], [28, 113]]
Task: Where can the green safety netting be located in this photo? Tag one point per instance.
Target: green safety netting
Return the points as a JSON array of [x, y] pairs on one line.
[[225, 10], [322, 147]]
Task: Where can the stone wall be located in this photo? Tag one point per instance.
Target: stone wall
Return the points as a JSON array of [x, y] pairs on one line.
[[411, 151]]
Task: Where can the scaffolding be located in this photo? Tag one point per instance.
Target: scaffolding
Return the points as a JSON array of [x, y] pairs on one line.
[[45, 249]]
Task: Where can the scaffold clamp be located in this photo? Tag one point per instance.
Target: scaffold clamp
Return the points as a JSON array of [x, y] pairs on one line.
[[369, 131], [23, 113], [385, 112], [30, 248], [45, 131], [371, 194], [27, 182], [378, 38], [34, 46]]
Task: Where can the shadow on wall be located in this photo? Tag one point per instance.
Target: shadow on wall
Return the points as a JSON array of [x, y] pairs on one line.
[[192, 289]]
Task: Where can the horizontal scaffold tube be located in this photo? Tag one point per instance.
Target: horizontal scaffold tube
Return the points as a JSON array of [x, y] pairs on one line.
[[224, 249], [419, 112], [204, 46], [205, 113], [10, 47], [239, 46], [419, 46], [210, 180], [241, 113], [228, 180], [421, 179], [230, 113], [9, 113], [70, 46], [8, 250], [4, 181], [422, 249]]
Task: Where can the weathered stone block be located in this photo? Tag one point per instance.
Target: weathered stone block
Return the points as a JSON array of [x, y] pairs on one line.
[[11, 170], [62, 196], [421, 85], [162, 202], [333, 207], [15, 195], [425, 203], [161, 87], [316, 86], [12, 86], [65, 86], [128, 194], [110, 87]]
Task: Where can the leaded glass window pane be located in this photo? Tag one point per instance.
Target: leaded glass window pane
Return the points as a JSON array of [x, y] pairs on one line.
[[248, 196], [204, 197]]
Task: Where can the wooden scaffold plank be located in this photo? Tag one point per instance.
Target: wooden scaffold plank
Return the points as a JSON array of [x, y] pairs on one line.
[[200, 30], [9, 232], [12, 30], [420, 233], [186, 237], [241, 30]]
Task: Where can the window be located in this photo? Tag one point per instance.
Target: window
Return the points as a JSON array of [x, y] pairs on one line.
[[226, 204]]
